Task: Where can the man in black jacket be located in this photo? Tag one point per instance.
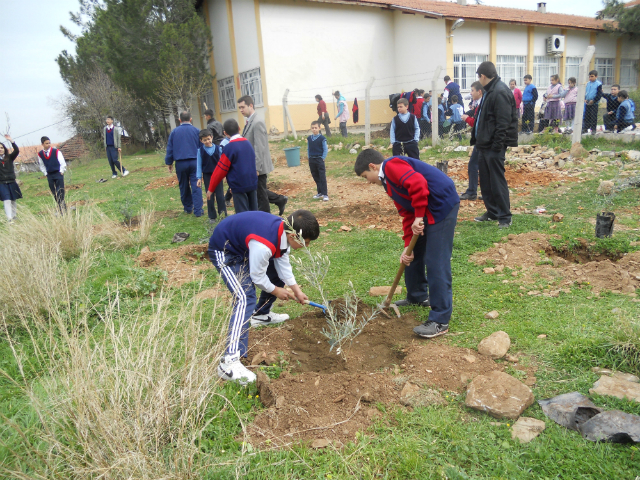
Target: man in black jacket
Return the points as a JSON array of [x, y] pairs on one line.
[[495, 129], [214, 126]]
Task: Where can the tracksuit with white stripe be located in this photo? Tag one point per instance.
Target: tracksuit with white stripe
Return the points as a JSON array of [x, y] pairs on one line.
[[250, 249]]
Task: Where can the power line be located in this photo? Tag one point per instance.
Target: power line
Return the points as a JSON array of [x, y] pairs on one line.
[[41, 128]]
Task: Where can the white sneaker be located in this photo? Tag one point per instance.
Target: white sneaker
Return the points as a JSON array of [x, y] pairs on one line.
[[325, 198], [317, 196], [114, 176], [269, 319], [125, 173], [231, 369]]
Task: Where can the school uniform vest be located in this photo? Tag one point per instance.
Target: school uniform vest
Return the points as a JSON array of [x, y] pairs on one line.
[[233, 234], [316, 147], [628, 115], [242, 176], [405, 132], [527, 95], [51, 164], [109, 137], [572, 96], [209, 162], [442, 195], [553, 90], [457, 111]]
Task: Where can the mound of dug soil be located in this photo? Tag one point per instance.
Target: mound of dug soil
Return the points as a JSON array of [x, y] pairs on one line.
[[164, 182], [530, 254], [183, 264], [324, 396]]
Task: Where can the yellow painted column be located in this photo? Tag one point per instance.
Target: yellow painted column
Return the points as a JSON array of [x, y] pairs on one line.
[[234, 57], [449, 68], [616, 73], [530, 37], [263, 73], [563, 59], [212, 67], [592, 41], [493, 35]]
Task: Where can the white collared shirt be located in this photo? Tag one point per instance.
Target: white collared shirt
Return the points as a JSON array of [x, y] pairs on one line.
[[259, 256], [63, 164]]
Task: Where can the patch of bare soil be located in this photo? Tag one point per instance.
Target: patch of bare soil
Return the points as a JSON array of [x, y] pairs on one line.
[[149, 169], [324, 396], [378, 213], [164, 182], [384, 133], [529, 255], [183, 264], [66, 189]]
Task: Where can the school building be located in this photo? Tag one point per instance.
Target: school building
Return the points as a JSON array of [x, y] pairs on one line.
[[263, 47]]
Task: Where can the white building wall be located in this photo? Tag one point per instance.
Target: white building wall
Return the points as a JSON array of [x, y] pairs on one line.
[[630, 49], [221, 42], [511, 39], [318, 48], [605, 46], [244, 26], [472, 37], [576, 43]]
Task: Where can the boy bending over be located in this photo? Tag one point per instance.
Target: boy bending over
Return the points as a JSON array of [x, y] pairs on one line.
[[421, 193], [249, 249]]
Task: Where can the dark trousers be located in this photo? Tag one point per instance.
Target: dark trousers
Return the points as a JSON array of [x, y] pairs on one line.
[[493, 184], [112, 156], [56, 185], [528, 117], [609, 121], [472, 170], [590, 120], [343, 128], [458, 127], [266, 196], [319, 174], [190, 192], [325, 121], [433, 251], [234, 271], [217, 196], [228, 196], [622, 125], [245, 202], [408, 149]]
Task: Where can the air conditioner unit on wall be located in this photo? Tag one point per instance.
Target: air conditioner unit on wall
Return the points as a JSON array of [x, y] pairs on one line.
[[555, 45]]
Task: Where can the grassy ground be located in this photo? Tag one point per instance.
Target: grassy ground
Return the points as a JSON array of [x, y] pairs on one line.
[[448, 441]]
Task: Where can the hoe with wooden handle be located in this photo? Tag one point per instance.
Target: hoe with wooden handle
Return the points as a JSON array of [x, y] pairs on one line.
[[396, 281]]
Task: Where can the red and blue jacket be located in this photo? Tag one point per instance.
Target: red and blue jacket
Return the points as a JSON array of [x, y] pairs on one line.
[[418, 190], [238, 164], [233, 234]]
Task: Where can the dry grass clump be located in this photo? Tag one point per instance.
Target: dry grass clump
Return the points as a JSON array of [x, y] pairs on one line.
[[128, 400], [117, 236]]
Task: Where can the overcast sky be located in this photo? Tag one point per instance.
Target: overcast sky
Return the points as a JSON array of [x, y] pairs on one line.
[[30, 83]]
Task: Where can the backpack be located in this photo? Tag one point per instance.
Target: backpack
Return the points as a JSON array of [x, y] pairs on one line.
[[393, 100]]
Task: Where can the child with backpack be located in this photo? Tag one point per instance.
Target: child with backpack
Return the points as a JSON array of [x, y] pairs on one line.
[[625, 119], [457, 111]]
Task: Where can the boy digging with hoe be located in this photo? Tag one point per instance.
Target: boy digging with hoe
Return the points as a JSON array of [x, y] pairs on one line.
[[427, 201], [249, 249]]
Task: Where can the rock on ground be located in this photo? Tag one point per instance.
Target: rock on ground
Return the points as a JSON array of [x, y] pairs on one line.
[[616, 387], [499, 394], [605, 188], [495, 345], [526, 429]]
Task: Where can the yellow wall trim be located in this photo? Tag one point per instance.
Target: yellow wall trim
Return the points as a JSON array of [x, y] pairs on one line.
[[263, 73], [234, 56], [212, 66], [493, 36], [616, 73], [592, 41], [530, 38], [563, 59], [449, 42]]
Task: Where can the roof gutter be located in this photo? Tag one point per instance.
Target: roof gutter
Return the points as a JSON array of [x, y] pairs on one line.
[[416, 10]]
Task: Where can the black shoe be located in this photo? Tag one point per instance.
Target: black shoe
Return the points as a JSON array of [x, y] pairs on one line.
[[282, 204], [468, 196], [484, 218], [228, 204], [407, 303], [431, 329], [479, 197], [504, 224]]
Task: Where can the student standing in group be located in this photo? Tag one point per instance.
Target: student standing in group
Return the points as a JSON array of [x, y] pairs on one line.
[[323, 115], [182, 148], [238, 165], [252, 249], [529, 99], [427, 201], [610, 118], [570, 96], [592, 96], [343, 112], [495, 129], [456, 116], [9, 189], [451, 88], [53, 166], [405, 131], [207, 160], [416, 108], [553, 111], [112, 139], [626, 113], [517, 94], [317, 152], [425, 120], [472, 167]]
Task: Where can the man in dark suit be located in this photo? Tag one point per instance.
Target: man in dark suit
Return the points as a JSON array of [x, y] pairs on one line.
[[255, 131]]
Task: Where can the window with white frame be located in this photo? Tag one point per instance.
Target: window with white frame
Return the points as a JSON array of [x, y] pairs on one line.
[[227, 93], [543, 68], [605, 68], [251, 84], [629, 73], [464, 69], [207, 101], [572, 68], [512, 66]]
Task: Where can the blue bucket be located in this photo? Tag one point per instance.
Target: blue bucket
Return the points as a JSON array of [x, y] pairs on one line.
[[293, 156]]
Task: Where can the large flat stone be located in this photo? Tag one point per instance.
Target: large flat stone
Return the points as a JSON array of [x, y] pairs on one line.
[[616, 387], [526, 429], [499, 394], [495, 345]]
